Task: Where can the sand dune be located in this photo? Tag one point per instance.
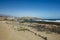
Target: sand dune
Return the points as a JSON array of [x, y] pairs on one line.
[[7, 33]]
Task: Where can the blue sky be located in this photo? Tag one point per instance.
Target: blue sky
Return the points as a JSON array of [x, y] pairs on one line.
[[33, 8]]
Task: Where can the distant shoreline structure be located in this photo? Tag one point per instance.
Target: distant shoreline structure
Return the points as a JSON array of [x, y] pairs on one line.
[[35, 18]]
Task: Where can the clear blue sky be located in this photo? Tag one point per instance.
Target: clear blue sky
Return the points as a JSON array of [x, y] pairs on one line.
[[33, 8]]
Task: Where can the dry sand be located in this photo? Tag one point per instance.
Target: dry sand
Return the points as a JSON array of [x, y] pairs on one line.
[[7, 33]]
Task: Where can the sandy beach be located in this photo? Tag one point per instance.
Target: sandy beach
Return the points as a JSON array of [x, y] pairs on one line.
[[7, 32]]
